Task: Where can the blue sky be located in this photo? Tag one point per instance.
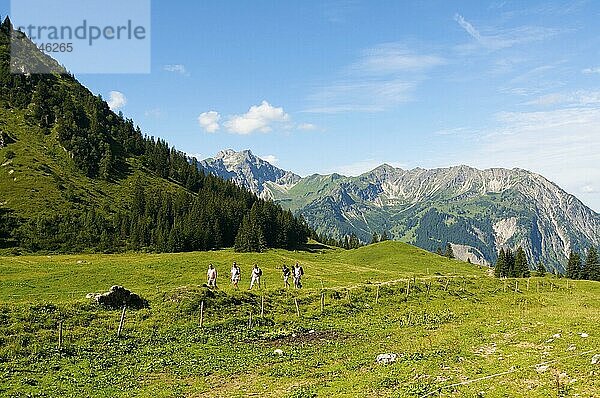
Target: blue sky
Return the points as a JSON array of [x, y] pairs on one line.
[[345, 85]]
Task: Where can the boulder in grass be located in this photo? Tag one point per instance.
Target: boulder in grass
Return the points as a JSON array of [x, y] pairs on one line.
[[5, 139], [117, 296], [596, 359], [386, 358]]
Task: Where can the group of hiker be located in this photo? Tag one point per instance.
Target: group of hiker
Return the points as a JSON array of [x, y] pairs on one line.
[[236, 275]]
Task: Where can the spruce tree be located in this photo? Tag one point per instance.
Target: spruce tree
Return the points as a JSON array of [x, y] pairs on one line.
[[374, 238], [509, 266], [541, 270], [249, 237], [39, 108], [384, 236], [592, 268], [573, 270], [500, 264], [354, 242], [521, 268], [449, 252]]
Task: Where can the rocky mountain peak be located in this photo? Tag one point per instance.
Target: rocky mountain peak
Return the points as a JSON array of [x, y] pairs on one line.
[[248, 170]]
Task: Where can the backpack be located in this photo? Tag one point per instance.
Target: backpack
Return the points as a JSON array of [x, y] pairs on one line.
[[301, 271], [259, 272]]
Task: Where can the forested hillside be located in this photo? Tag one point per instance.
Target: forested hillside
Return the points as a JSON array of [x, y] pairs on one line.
[[75, 176]]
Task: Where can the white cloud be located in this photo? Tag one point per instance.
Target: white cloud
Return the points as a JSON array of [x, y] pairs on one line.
[[116, 100], [589, 71], [546, 100], [384, 76], [176, 68], [306, 127], [270, 158], [535, 81], [466, 25], [393, 58], [497, 39], [561, 144], [580, 97], [209, 121], [258, 118], [589, 189], [373, 95]]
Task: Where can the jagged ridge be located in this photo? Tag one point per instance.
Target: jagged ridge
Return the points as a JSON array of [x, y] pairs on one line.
[[477, 211]]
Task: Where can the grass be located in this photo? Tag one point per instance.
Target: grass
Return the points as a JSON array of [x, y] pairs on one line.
[[64, 277], [41, 178], [444, 334]]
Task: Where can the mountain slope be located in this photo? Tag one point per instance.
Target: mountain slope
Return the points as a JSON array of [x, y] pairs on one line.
[[477, 211], [75, 176]]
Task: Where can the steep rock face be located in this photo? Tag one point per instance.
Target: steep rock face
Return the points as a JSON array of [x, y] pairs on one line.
[[248, 171], [477, 211]]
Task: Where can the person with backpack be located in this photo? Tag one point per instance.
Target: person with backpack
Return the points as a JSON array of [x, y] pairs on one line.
[[256, 274], [286, 275], [236, 274], [211, 276], [298, 272]]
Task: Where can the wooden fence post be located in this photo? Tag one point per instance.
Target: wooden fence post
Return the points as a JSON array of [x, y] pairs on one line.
[[60, 334], [297, 307], [122, 320], [377, 295], [516, 286], [250, 320], [322, 301], [262, 306], [201, 313], [407, 287], [447, 283]]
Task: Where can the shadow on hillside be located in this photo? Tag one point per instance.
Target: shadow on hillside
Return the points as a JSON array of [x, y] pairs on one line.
[[314, 247]]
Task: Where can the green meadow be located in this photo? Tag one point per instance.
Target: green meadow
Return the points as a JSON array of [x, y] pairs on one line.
[[456, 330]]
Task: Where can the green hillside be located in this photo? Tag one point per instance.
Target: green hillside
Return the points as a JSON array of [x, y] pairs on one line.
[[75, 176], [455, 325]]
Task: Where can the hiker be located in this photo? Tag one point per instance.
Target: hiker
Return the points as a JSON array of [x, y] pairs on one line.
[[298, 272], [236, 274], [286, 275], [211, 276], [256, 274]]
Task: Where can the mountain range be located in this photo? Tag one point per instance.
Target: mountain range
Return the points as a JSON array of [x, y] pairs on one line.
[[476, 211]]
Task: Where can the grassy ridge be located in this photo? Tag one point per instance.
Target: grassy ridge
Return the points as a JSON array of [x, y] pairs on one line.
[[444, 334], [57, 276]]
